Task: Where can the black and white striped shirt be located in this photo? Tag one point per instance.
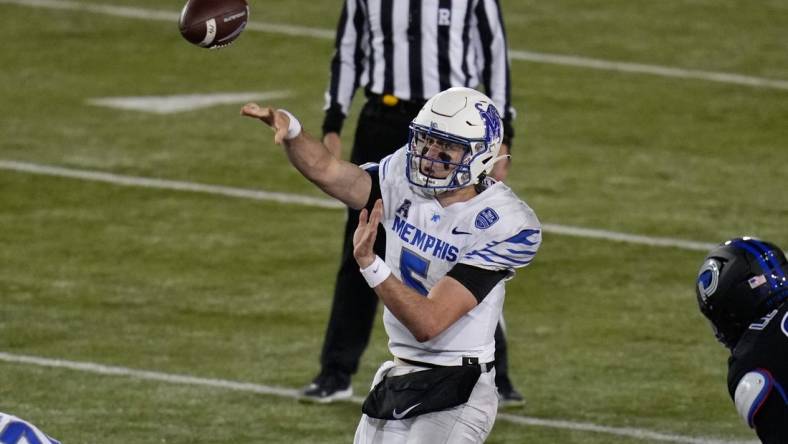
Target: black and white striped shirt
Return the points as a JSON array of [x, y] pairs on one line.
[[413, 49]]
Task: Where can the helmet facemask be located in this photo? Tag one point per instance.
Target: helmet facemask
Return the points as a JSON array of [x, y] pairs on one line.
[[440, 162]]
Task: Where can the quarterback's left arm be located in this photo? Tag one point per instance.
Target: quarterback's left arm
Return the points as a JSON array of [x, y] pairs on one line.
[[427, 317], [452, 296]]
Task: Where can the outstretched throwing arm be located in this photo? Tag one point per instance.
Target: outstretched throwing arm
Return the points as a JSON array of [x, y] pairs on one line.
[[337, 178]]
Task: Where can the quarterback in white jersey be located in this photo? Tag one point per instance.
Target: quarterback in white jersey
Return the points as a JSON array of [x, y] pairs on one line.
[[424, 240], [453, 237]]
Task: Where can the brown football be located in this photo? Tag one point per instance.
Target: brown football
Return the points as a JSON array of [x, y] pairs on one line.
[[213, 23]]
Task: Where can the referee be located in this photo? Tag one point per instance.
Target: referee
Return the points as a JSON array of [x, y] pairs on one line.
[[401, 53]]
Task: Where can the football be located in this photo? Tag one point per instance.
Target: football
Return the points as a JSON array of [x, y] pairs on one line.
[[213, 23]]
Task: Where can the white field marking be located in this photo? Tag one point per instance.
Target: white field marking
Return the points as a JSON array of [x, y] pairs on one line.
[[619, 431], [628, 238], [167, 16], [327, 34], [170, 378], [638, 68], [165, 184], [287, 198], [186, 102]]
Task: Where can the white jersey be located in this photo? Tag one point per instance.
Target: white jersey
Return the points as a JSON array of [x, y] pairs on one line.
[[495, 230], [14, 430]]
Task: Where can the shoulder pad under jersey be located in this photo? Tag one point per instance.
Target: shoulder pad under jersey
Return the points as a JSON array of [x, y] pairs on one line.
[[751, 392]]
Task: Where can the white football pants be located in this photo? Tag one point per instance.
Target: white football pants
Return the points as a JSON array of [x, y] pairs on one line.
[[467, 423]]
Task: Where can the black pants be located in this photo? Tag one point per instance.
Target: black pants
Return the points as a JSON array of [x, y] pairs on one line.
[[381, 130]]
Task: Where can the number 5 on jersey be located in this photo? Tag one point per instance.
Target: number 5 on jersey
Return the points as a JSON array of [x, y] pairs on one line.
[[412, 265]]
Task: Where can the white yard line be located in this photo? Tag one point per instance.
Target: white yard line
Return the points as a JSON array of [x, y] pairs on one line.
[[628, 238], [167, 16], [619, 431], [639, 68], [328, 34], [287, 198], [148, 375], [164, 184], [184, 102]]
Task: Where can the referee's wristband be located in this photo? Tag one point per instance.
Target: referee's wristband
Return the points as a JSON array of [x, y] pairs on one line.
[[294, 129], [376, 273]]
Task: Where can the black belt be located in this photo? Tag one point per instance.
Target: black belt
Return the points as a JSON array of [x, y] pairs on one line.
[[389, 101], [484, 366]]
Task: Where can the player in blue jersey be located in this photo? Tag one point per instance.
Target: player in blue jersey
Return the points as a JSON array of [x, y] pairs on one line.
[[453, 237], [742, 289]]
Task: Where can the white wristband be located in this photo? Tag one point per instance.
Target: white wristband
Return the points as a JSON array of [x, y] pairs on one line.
[[376, 273], [294, 129]]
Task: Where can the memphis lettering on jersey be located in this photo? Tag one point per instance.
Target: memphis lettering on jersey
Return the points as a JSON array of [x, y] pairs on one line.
[[425, 242]]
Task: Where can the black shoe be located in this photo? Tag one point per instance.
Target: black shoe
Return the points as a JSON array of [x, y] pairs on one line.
[[328, 387], [508, 396]]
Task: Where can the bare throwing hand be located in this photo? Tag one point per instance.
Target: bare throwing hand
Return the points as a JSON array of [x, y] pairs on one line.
[[277, 120], [366, 233]]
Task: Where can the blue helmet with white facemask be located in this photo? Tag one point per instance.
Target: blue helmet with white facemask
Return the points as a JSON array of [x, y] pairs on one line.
[[458, 117], [740, 282]]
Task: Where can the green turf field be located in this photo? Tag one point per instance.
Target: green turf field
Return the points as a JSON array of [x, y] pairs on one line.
[[602, 333]]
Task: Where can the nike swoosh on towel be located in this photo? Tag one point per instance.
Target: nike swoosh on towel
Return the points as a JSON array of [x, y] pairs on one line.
[[402, 415]]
